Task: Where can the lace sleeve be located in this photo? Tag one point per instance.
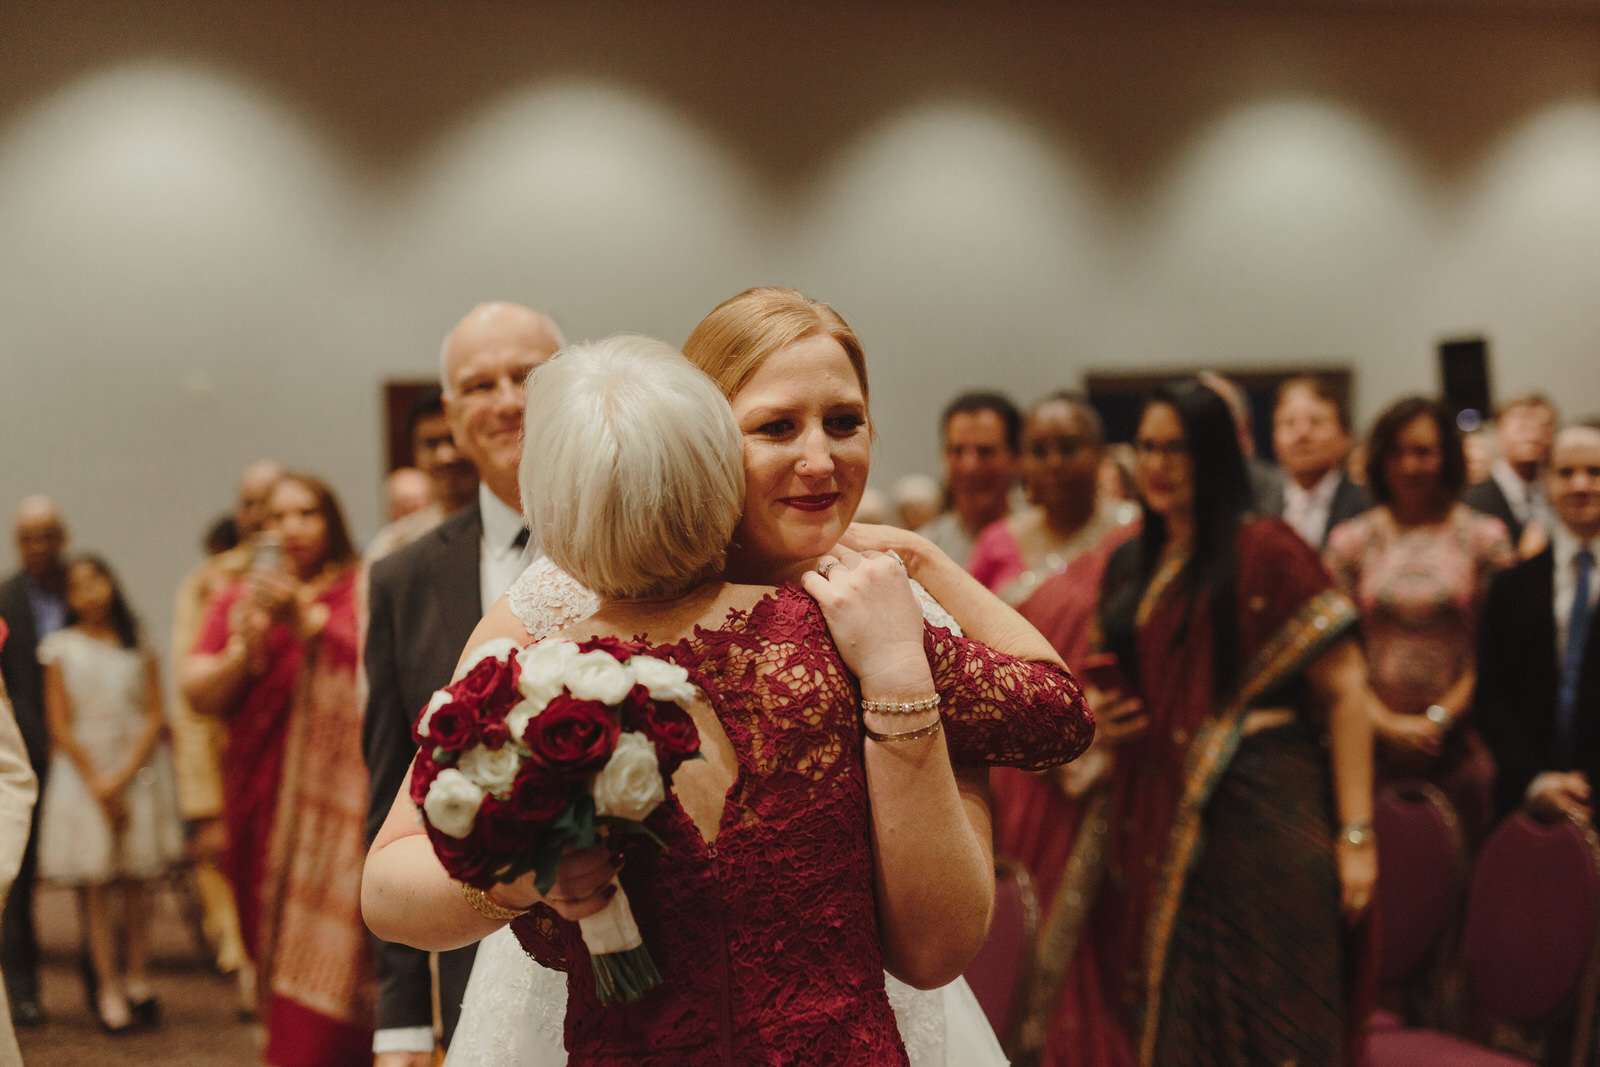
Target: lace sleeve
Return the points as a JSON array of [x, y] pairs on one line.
[[547, 599], [1003, 711], [544, 936]]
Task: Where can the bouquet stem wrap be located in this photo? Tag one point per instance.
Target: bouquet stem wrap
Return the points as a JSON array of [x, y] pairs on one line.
[[623, 969]]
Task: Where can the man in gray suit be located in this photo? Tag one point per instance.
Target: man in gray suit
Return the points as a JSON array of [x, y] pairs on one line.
[[423, 602]]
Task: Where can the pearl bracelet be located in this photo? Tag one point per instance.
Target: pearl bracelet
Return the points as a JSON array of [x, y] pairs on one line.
[[487, 908], [899, 707], [906, 735]]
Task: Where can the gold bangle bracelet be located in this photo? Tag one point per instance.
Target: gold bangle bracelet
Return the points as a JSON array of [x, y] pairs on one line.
[[899, 707], [487, 908], [908, 735]]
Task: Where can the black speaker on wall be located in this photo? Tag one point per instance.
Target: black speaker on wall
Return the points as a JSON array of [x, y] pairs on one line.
[[1464, 374]]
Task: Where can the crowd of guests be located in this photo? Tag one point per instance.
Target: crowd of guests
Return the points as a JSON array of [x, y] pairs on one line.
[[1263, 644]]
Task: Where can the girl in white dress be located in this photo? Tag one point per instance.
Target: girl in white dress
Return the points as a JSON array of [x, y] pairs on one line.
[[110, 817]]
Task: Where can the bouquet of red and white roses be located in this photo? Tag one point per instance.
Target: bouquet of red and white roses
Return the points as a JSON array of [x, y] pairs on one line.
[[532, 751]]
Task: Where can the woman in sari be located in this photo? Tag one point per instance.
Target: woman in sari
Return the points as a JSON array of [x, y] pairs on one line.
[[276, 658], [1214, 863]]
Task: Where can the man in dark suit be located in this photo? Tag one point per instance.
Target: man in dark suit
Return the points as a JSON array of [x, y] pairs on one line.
[[423, 602], [1311, 435], [1537, 701], [33, 604], [1514, 492]]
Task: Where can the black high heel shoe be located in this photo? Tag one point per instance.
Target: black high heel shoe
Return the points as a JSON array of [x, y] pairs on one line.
[[146, 1012]]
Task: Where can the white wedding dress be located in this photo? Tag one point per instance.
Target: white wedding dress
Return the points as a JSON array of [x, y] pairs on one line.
[[514, 1009]]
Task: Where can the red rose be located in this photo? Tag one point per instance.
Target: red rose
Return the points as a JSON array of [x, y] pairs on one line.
[[503, 832], [490, 688], [615, 647], [667, 725], [423, 771], [571, 738], [453, 727], [537, 796], [464, 859], [493, 733]]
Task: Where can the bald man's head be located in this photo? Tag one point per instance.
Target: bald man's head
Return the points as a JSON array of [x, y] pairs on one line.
[[482, 366], [41, 538], [255, 485]]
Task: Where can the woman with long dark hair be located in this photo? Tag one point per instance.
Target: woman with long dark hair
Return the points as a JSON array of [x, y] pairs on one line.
[[276, 657], [1235, 826]]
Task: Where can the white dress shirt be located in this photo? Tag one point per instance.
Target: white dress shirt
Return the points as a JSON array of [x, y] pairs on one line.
[[1565, 545], [1307, 510], [500, 561], [1526, 498]]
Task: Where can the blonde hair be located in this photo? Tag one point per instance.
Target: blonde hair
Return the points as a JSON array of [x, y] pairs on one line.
[[732, 342], [632, 472]]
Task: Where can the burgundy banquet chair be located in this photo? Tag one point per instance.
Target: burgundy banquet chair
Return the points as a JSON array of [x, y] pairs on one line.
[[1531, 950], [1422, 868]]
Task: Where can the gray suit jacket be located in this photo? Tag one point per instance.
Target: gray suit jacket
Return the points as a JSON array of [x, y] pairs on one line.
[[422, 605]]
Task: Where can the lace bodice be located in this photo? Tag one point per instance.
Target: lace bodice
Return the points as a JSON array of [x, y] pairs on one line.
[[991, 713], [767, 937]]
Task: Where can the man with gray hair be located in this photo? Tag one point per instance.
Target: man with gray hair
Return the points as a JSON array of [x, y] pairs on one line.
[[423, 602], [33, 604]]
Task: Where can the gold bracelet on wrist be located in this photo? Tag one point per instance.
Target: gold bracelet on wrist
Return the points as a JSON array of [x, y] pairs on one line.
[[905, 735], [487, 908], [901, 707]]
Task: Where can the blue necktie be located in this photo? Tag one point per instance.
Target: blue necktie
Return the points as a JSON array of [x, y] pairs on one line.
[[1577, 637]]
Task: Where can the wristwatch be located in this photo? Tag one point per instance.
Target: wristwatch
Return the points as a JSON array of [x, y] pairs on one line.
[[1439, 715], [1356, 834]]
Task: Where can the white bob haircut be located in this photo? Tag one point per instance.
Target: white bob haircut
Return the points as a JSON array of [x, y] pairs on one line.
[[632, 471]]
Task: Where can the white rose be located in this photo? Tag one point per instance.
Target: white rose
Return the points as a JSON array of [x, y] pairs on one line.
[[499, 648], [440, 699], [665, 681], [598, 676], [452, 803], [544, 665], [492, 768], [518, 718], [629, 786]]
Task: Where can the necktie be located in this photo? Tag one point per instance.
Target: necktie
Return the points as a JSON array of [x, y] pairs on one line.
[[1572, 664]]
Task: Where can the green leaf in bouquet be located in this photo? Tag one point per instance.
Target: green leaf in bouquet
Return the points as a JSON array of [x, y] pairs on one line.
[[631, 826], [547, 857], [576, 827]]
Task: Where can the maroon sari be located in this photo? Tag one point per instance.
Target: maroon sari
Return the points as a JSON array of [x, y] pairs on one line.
[[1132, 967], [294, 800]]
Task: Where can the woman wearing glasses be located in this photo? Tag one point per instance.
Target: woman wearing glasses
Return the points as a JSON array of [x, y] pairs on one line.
[[1234, 828]]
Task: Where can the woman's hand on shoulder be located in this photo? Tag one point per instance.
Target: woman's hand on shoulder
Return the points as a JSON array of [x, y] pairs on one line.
[[874, 618], [913, 549]]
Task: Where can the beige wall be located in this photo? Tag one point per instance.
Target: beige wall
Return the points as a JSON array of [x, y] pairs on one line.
[[223, 224]]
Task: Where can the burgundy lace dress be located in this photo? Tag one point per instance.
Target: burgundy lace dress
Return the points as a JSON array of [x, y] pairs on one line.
[[767, 936]]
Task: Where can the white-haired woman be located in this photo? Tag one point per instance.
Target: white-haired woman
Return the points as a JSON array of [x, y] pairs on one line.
[[791, 876]]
